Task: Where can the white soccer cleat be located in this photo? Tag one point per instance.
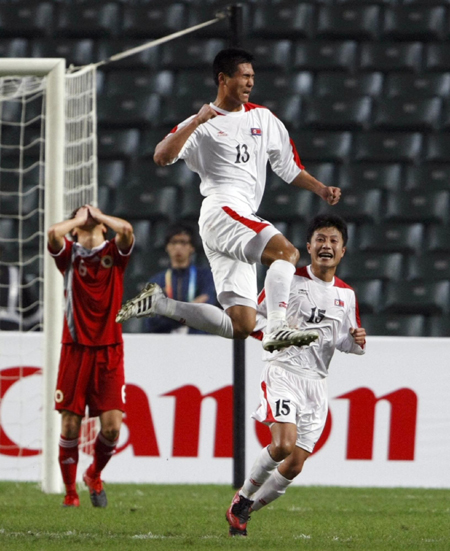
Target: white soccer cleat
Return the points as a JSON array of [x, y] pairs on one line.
[[286, 336], [142, 305]]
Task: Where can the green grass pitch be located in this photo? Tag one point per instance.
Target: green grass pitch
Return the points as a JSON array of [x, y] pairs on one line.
[[183, 517]]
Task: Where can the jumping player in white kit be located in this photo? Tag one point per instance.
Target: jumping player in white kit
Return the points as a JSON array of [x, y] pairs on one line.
[[228, 143], [293, 392]]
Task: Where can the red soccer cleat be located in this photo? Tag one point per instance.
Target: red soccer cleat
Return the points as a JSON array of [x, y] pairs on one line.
[[238, 515], [71, 500], [96, 491]]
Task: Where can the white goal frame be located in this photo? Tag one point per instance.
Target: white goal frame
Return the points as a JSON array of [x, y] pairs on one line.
[[54, 69]]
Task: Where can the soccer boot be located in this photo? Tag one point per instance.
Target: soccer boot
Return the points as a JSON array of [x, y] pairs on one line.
[[71, 500], [96, 491], [142, 304], [286, 336], [238, 515]]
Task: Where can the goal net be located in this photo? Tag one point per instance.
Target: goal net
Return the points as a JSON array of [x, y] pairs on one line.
[[48, 167]]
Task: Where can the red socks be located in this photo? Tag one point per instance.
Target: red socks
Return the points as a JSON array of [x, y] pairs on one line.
[[103, 451], [68, 462]]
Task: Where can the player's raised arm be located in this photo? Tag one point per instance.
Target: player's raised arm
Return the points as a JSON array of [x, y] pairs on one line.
[[57, 231], [329, 194], [168, 149]]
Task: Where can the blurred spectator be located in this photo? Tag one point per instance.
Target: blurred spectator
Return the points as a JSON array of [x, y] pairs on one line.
[[183, 281]]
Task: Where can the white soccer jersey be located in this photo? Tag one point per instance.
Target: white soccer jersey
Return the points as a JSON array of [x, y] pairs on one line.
[[230, 154], [330, 308]]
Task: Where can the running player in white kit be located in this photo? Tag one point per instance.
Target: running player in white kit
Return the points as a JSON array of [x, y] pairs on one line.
[[294, 398], [228, 143]]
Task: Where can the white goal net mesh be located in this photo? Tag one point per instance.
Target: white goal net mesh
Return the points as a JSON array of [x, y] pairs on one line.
[[23, 246]]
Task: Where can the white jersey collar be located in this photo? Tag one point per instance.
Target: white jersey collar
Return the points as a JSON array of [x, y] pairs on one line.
[[228, 113], [317, 280]]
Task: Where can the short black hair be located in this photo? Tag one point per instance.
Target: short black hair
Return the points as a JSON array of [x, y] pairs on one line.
[[227, 61], [327, 221], [180, 227]]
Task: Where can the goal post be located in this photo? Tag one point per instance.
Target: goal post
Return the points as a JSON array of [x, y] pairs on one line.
[[54, 70], [67, 179]]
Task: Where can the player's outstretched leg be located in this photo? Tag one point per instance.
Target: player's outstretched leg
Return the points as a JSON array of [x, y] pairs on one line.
[[285, 336], [238, 515], [96, 491], [143, 304]]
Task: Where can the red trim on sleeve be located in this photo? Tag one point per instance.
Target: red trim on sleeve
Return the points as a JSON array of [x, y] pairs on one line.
[[257, 227], [269, 417], [303, 272], [258, 335]]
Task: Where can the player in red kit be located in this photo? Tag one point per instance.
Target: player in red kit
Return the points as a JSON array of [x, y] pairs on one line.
[[91, 369]]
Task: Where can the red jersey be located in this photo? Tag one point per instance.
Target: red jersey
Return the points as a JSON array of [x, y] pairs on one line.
[[93, 289]]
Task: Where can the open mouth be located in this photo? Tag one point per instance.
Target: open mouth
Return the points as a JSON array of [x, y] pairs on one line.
[[327, 256]]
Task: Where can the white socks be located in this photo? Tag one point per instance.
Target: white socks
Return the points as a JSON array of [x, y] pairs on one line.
[[260, 472], [274, 488], [204, 317], [277, 286]]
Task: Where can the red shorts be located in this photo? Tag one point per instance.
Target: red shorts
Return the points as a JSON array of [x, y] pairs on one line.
[[90, 376]]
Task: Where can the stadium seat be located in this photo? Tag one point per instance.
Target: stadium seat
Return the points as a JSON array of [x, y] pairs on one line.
[[325, 55], [270, 54], [437, 239], [150, 201], [417, 298], [348, 21], [76, 52], [190, 204], [14, 47], [139, 82], [271, 85], [437, 57], [146, 60], [387, 176], [200, 12], [146, 171], [100, 20], [427, 207], [27, 19], [289, 20], [414, 23], [117, 144], [129, 110], [176, 109], [111, 173], [377, 146], [390, 56], [439, 326], [287, 108], [401, 113], [150, 139], [196, 54], [428, 176], [391, 325], [153, 20], [105, 199], [189, 82], [402, 238], [143, 266], [324, 172], [359, 206], [369, 294], [142, 235], [287, 203], [423, 85], [437, 147], [363, 266], [429, 267], [337, 112], [323, 147], [344, 85]]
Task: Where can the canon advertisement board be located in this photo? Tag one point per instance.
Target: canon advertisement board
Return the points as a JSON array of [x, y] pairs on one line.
[[388, 424]]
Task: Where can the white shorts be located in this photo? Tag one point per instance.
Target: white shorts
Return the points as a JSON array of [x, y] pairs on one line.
[[233, 242], [290, 398]]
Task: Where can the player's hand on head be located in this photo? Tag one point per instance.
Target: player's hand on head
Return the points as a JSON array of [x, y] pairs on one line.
[[82, 215], [94, 212], [206, 113], [332, 195]]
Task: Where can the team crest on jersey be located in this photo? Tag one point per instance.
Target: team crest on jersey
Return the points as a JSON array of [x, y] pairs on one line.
[[338, 302], [256, 131], [107, 261]]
